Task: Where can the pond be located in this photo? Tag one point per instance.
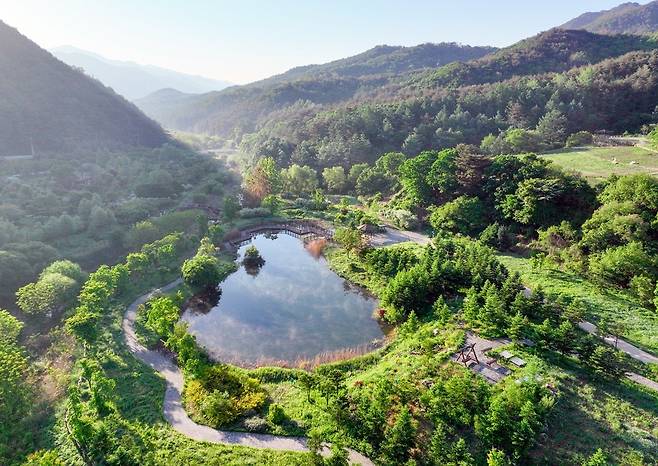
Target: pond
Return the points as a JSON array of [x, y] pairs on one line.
[[293, 309]]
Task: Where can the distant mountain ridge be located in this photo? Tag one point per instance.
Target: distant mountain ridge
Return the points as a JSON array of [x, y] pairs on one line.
[[57, 108], [627, 18], [242, 108], [133, 80]]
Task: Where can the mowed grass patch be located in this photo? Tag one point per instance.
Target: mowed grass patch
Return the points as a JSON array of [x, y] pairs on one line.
[[641, 324], [597, 163]]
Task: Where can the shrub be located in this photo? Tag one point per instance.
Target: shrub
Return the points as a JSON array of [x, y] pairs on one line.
[[619, 265], [221, 394], [201, 272], [275, 414], [255, 212], [581, 138]]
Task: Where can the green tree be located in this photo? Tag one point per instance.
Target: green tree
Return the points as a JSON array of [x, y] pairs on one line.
[[101, 222], [598, 458], [521, 141], [272, 203], [355, 172], [162, 313], [201, 273], [351, 239], [36, 298], [334, 179], [399, 438], [231, 207], [552, 128], [497, 458], [465, 215], [300, 180]]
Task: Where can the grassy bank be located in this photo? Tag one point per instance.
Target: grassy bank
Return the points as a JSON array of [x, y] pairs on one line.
[[640, 324]]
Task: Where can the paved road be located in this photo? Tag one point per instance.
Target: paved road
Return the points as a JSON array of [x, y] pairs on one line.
[[621, 345], [391, 236], [632, 351], [173, 409]]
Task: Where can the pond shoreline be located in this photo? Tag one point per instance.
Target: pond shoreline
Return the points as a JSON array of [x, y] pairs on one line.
[[294, 311]]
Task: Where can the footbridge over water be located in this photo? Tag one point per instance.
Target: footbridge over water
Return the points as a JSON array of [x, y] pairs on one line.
[[304, 230]]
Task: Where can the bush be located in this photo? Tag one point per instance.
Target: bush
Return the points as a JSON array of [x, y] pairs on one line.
[[581, 138], [255, 212], [275, 414], [221, 394], [201, 273], [401, 218], [619, 265]]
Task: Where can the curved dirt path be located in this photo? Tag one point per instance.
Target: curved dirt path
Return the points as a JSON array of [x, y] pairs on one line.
[[173, 409]]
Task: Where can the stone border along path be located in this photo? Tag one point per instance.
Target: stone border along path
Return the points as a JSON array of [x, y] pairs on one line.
[[173, 410]]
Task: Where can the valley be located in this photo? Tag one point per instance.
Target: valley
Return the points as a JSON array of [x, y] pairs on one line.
[[419, 255]]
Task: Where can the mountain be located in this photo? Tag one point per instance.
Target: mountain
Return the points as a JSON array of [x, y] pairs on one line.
[[242, 108], [627, 18], [387, 59], [58, 108], [554, 84], [551, 51], [133, 80]]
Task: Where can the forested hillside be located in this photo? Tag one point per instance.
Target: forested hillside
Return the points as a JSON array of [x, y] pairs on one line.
[[57, 108], [240, 109], [518, 100], [627, 18], [548, 86]]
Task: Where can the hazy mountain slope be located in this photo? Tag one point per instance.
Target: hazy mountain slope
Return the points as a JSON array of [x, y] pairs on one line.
[[243, 107], [59, 108], [550, 51], [133, 80], [627, 18], [387, 59]]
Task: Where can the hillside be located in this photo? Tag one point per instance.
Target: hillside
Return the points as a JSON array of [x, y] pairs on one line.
[[627, 18], [529, 86], [244, 107], [551, 51], [60, 109], [133, 80], [338, 113], [387, 59]]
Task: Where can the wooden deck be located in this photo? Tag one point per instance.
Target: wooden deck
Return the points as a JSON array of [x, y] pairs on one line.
[[304, 230]]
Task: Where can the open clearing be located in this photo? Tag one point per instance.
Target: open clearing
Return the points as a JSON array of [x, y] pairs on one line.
[[597, 163]]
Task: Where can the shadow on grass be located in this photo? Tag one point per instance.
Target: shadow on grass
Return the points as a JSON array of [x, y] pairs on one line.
[[575, 428]]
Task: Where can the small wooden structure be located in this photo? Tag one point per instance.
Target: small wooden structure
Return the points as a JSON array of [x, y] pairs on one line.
[[304, 230], [467, 353]]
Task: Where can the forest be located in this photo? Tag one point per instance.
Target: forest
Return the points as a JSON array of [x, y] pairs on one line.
[[512, 280]]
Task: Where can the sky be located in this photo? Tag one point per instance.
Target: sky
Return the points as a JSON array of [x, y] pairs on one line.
[[245, 40]]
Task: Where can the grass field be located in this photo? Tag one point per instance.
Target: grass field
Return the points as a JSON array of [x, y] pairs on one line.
[[641, 325], [596, 163]]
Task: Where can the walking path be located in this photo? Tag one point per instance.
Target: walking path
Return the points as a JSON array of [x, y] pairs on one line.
[[173, 409], [632, 351], [622, 345], [391, 236]]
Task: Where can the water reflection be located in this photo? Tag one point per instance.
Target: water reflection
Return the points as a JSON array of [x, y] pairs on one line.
[[294, 307]]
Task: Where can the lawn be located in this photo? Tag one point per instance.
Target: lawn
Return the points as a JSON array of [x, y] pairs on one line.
[[641, 325], [596, 163]]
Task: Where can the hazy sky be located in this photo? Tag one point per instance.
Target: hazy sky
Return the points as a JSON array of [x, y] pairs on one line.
[[245, 40]]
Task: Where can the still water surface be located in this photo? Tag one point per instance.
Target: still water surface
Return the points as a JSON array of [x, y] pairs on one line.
[[293, 308]]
